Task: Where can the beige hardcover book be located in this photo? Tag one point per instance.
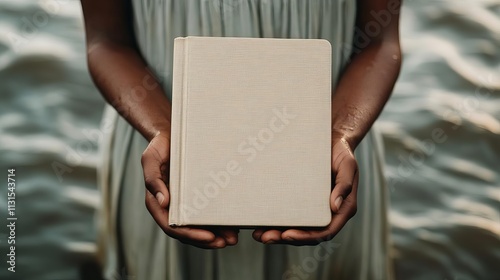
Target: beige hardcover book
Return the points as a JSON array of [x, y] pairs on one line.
[[251, 136]]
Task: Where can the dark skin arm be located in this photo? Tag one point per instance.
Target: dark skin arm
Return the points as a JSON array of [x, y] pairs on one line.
[[362, 92], [123, 78]]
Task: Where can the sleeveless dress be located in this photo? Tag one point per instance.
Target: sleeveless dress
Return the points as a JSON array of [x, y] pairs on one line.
[[132, 246]]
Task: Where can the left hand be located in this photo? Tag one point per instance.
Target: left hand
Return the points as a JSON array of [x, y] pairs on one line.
[[156, 164], [343, 202]]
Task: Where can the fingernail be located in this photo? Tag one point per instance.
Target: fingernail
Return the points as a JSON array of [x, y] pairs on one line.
[[338, 202], [160, 197]]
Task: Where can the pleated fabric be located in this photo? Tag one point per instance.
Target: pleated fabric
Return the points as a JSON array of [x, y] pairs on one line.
[[132, 245]]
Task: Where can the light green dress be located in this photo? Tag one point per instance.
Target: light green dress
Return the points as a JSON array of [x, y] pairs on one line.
[[132, 245]]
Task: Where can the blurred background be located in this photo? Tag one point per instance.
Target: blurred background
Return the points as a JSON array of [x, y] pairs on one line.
[[441, 132]]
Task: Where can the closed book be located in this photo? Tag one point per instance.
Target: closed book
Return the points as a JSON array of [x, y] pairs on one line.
[[251, 132]]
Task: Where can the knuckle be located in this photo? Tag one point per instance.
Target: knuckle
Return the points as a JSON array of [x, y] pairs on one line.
[[347, 187], [150, 183], [344, 189], [146, 155]]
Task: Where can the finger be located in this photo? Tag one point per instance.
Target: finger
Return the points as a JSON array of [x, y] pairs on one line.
[[345, 172], [157, 188], [303, 236], [267, 235], [218, 243], [347, 211], [269, 239], [309, 237], [257, 234], [154, 177], [160, 215], [230, 235], [271, 236]]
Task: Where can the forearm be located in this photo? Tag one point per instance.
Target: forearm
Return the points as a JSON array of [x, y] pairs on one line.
[[364, 89], [126, 83]]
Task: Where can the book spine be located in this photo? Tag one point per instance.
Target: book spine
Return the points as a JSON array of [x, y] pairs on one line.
[[177, 142], [182, 208]]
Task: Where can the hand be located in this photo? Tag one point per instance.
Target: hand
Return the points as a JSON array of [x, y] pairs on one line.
[[342, 202], [156, 165]]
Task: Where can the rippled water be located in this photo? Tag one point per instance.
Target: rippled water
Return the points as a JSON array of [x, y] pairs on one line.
[[441, 130]]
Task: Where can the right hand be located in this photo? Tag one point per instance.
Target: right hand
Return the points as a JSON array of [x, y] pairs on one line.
[[156, 165]]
